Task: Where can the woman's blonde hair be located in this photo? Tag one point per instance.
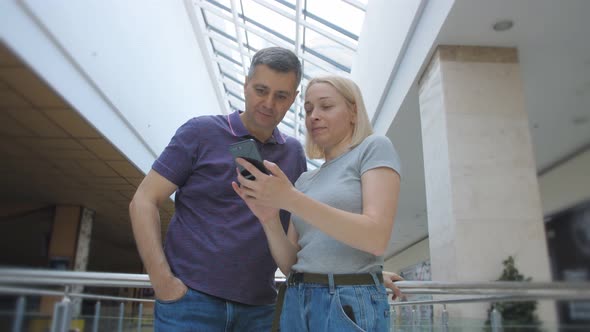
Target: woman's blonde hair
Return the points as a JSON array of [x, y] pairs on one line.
[[353, 97]]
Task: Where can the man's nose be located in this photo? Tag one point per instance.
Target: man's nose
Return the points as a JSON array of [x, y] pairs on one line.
[[269, 101]]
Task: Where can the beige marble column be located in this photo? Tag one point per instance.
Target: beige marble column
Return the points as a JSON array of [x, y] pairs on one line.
[[481, 185], [69, 246], [82, 251]]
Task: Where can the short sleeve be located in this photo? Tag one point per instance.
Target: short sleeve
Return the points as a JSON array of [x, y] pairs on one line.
[[176, 163], [378, 151]]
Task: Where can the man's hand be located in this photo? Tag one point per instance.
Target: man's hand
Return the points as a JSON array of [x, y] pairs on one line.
[[170, 289], [389, 279]]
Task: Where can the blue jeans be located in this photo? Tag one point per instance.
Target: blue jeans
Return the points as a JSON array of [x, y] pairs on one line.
[[197, 311], [311, 307]]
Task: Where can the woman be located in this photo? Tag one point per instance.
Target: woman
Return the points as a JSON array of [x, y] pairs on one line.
[[342, 215]]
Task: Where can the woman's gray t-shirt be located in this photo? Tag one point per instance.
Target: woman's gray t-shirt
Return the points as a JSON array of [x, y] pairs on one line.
[[338, 184]]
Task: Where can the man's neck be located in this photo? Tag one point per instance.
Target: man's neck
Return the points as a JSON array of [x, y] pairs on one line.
[[260, 135]]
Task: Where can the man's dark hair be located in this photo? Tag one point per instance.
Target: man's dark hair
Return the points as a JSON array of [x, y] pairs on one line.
[[277, 58]]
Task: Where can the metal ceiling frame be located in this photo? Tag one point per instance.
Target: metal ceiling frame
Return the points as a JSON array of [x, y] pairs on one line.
[[264, 34], [207, 51], [222, 67]]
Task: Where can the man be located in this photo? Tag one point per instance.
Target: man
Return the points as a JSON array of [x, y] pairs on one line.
[[215, 271]]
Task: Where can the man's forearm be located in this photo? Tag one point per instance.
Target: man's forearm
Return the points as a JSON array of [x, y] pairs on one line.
[[145, 221]]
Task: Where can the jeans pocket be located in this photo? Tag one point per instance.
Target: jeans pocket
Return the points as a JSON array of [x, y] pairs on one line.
[[347, 315], [175, 300]]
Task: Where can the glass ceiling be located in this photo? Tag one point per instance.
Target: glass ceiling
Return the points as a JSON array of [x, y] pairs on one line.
[[323, 34]]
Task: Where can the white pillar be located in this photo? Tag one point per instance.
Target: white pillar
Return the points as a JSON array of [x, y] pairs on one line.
[[481, 183]]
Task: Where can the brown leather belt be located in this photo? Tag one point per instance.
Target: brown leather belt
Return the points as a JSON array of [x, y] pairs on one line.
[[339, 279], [322, 279]]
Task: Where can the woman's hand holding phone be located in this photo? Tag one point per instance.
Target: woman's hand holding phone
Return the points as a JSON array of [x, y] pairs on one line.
[[248, 150], [261, 183], [274, 190], [264, 213]]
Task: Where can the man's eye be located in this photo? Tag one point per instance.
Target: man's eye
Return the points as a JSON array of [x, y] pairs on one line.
[[259, 91]]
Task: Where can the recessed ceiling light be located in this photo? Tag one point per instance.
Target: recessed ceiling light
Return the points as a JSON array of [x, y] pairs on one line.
[[503, 25]]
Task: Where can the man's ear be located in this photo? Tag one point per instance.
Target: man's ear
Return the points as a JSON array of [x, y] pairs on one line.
[[245, 84]]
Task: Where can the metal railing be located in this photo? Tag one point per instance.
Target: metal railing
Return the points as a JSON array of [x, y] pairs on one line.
[[487, 292], [26, 282]]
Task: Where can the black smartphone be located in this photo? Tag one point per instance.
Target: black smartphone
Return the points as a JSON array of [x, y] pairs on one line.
[[348, 311], [248, 150]]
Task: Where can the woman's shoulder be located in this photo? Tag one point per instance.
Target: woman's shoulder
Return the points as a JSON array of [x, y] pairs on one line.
[[379, 150], [376, 140]]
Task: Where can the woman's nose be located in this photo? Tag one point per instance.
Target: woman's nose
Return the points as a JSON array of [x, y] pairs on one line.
[[314, 115]]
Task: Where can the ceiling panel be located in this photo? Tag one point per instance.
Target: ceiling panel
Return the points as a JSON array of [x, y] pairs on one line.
[[98, 168], [51, 156], [72, 123], [30, 87], [125, 169], [9, 99], [50, 143], [79, 155], [36, 122], [102, 149], [7, 58], [10, 127]]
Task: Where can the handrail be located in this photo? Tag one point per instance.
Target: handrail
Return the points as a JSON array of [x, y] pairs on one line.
[[23, 282], [497, 298], [39, 291], [494, 291], [490, 298], [493, 285], [10, 278], [18, 276]]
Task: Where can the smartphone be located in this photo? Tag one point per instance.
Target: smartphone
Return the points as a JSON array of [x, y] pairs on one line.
[[348, 311], [248, 150]]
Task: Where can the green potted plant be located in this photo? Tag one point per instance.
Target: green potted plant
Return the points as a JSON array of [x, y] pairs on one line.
[[516, 316]]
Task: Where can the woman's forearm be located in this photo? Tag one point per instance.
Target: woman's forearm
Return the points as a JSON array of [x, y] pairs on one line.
[[282, 250], [356, 230], [368, 231]]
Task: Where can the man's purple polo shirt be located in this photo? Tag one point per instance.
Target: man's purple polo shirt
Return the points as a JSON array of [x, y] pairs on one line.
[[214, 243]]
